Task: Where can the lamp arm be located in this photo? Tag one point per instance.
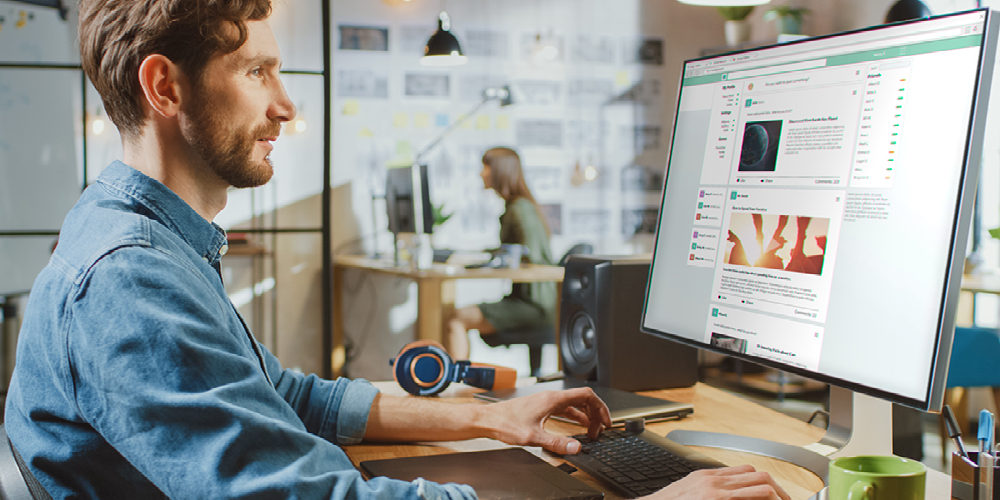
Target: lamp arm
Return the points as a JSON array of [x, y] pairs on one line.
[[453, 126]]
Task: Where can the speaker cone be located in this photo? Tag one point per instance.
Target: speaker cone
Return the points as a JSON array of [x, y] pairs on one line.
[[579, 346]]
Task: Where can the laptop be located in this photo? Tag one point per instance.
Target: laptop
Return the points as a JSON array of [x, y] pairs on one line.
[[507, 474], [622, 405]]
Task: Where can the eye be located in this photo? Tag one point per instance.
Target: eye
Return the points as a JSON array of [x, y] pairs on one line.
[[257, 72]]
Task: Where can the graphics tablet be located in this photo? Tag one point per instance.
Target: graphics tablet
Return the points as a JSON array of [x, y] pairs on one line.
[[508, 474], [623, 405]]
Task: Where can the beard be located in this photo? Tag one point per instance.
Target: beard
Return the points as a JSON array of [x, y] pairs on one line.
[[228, 151]]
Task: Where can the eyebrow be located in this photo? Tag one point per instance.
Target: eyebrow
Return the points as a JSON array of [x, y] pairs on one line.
[[260, 60]]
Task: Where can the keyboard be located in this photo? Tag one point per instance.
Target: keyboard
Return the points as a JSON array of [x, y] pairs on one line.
[[635, 464]]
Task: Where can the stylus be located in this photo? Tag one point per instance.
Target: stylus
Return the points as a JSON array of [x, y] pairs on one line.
[[986, 461], [954, 432]]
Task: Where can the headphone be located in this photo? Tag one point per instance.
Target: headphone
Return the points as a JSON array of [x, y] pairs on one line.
[[424, 368]]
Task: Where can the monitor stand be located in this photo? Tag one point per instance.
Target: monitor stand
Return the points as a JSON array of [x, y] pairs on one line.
[[859, 425]]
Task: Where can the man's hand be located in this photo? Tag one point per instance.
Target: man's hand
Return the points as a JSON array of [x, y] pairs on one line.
[[521, 421], [743, 483]]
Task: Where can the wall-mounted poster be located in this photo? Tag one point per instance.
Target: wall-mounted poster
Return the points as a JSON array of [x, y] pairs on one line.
[[590, 221], [363, 37], [362, 83], [412, 39], [484, 43], [590, 90], [540, 179], [642, 178], [553, 216], [644, 137], [593, 49], [470, 87], [639, 221], [427, 85], [538, 92], [539, 133], [647, 50]]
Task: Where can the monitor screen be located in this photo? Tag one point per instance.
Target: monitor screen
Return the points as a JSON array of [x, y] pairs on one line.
[[399, 202], [816, 204]]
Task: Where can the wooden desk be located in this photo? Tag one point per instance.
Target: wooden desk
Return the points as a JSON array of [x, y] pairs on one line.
[[435, 292], [715, 410], [981, 283]]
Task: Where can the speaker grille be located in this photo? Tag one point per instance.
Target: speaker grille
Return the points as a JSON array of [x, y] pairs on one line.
[[579, 346]]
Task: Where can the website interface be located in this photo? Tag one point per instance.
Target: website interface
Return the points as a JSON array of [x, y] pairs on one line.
[[811, 199]]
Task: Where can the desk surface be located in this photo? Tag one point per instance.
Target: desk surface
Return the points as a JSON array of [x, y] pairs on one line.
[[981, 283], [525, 273], [715, 410]]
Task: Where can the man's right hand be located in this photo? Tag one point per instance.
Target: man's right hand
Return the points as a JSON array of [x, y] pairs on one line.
[[741, 482]]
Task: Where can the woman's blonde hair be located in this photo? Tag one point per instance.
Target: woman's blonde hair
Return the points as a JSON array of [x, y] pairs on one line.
[[507, 179]]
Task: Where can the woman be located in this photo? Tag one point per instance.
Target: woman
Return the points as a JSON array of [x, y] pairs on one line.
[[529, 304]]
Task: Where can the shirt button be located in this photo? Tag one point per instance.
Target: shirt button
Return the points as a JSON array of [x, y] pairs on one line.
[[223, 250], [204, 259]]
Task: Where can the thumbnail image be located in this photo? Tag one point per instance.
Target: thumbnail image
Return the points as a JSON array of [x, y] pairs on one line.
[[792, 243], [729, 343], [759, 152], [427, 85], [364, 37]]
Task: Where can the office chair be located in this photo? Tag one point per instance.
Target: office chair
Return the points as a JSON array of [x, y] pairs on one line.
[[16, 481], [538, 336], [974, 355]]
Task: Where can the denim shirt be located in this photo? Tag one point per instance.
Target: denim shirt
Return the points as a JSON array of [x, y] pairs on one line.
[[137, 378]]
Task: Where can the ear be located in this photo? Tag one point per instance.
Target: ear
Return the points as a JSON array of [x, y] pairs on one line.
[[160, 80]]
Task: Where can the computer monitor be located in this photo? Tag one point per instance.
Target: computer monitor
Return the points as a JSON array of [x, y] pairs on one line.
[[816, 207], [400, 207]]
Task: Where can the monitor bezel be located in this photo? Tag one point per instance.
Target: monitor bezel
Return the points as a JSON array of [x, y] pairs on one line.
[[959, 233]]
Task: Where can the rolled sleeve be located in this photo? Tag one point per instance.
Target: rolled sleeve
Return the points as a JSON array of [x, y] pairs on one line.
[[352, 411]]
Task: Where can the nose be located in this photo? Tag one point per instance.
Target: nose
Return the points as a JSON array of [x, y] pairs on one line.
[[282, 109]]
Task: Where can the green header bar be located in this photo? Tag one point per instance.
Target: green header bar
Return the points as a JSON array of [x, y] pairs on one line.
[[960, 42]]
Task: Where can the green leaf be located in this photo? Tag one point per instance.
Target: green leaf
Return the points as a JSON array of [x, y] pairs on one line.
[[735, 13], [995, 232], [439, 216]]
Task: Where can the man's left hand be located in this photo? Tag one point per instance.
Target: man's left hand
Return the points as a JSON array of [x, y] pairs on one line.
[[521, 421]]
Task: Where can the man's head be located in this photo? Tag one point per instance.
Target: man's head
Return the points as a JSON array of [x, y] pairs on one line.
[[208, 68]]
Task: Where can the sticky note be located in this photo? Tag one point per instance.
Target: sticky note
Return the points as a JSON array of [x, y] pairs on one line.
[[466, 124], [441, 120], [366, 132], [400, 120], [351, 107], [503, 122], [421, 120], [482, 122], [622, 79], [403, 148]]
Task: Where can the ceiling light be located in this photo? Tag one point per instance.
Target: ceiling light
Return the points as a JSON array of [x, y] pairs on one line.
[[442, 47]]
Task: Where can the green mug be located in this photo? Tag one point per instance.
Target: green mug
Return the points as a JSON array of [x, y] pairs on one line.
[[871, 477]]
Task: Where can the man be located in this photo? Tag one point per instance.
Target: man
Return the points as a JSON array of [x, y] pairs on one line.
[[135, 376]]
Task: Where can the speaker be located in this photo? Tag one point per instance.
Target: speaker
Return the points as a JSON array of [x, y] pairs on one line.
[[599, 336]]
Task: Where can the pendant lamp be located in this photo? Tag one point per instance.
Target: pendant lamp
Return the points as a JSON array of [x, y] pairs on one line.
[[442, 47]]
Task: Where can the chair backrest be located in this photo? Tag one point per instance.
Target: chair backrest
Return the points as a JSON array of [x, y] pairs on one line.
[[578, 249], [16, 481]]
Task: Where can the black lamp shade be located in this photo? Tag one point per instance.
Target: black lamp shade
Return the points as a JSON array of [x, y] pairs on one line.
[[442, 43], [904, 10]]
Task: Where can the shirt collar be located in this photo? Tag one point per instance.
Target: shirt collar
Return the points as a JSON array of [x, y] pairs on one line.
[[206, 238]]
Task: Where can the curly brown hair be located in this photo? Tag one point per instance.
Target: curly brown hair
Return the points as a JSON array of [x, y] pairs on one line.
[[117, 35]]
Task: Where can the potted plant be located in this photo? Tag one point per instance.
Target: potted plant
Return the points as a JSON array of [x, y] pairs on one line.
[[787, 18], [737, 29]]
